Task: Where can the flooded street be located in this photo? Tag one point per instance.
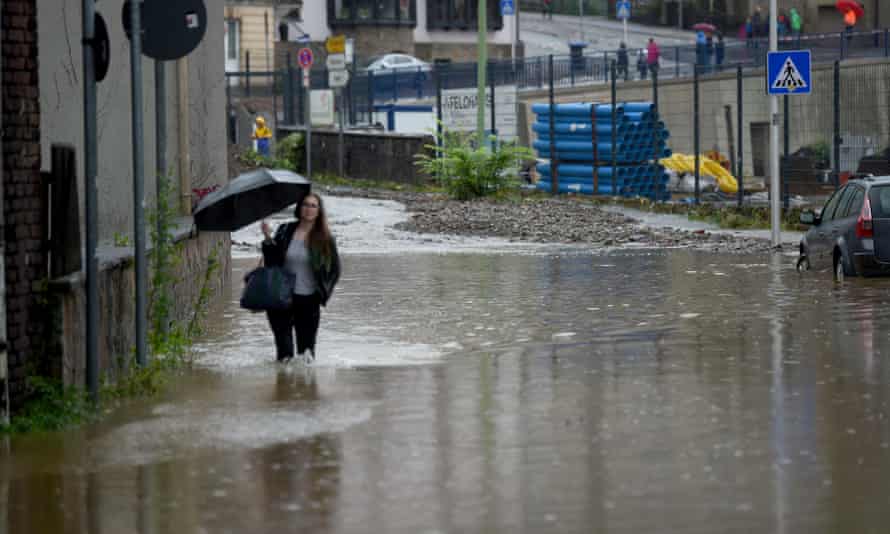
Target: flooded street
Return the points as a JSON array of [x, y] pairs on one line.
[[479, 385]]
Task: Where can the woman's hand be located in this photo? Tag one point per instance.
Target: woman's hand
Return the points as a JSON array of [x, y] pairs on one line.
[[267, 231]]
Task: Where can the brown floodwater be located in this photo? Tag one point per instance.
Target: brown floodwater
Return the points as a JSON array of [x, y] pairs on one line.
[[548, 390]]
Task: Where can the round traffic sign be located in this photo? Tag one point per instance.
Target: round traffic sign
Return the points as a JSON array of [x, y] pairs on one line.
[[304, 56]]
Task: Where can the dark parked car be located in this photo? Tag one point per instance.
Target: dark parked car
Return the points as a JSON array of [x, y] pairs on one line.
[[851, 235]]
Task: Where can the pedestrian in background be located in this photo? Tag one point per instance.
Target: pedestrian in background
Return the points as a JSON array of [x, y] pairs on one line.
[[719, 51], [306, 249], [653, 55], [749, 33], [709, 52], [642, 65], [701, 44], [548, 9], [757, 24], [262, 136], [623, 61]]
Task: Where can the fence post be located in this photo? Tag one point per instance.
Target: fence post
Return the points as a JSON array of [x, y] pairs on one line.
[[289, 93], [371, 97], [351, 94], [275, 105], [676, 62], [540, 73], [395, 85], [696, 132], [656, 117], [614, 130], [842, 50], [247, 65], [230, 113], [740, 176], [887, 43], [554, 160], [439, 140], [606, 66], [837, 124], [786, 150], [491, 85]]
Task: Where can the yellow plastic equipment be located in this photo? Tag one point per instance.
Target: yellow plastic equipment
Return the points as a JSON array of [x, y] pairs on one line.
[[682, 163]]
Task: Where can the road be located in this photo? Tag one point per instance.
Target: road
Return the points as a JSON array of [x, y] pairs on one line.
[[473, 385], [543, 37]]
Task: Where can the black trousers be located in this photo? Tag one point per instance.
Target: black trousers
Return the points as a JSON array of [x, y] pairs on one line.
[[302, 318]]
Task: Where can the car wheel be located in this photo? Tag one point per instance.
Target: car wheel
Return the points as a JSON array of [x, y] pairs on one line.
[[803, 264], [839, 274]]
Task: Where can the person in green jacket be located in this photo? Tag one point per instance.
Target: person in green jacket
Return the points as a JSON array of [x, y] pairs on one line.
[[796, 24]]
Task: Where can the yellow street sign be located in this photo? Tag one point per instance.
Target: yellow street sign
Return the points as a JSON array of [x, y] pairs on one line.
[[336, 45]]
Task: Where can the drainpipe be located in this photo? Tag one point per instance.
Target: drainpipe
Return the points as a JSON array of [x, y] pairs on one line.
[[185, 181]]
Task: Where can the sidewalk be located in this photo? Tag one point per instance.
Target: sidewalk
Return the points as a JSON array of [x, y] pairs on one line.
[[790, 240], [533, 21]]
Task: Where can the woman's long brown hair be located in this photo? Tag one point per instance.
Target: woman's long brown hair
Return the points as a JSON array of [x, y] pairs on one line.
[[319, 239]]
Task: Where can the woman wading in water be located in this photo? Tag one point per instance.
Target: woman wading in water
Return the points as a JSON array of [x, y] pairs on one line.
[[306, 249]]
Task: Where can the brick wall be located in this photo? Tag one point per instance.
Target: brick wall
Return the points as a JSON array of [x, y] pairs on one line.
[[25, 260]]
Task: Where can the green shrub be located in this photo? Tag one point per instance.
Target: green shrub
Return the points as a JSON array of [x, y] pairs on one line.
[[291, 149], [466, 171]]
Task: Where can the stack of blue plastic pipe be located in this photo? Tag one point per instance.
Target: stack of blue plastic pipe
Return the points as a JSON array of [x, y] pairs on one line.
[[639, 141]]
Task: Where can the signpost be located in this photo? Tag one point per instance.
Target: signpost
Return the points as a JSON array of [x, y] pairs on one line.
[[305, 58], [622, 12], [787, 73], [338, 78]]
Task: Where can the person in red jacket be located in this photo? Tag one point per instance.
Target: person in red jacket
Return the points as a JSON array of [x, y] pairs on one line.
[[548, 9], [652, 55]]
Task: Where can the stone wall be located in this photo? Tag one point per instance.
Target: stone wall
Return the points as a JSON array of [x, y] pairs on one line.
[[384, 156], [66, 330], [25, 260], [462, 52]]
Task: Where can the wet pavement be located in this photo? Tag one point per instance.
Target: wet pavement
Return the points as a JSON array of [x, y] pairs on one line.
[[469, 385]]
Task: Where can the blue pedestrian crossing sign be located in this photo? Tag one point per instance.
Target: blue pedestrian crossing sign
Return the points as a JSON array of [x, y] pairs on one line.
[[788, 73], [507, 8], [622, 9]]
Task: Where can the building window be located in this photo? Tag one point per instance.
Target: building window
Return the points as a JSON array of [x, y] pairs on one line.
[[461, 15], [372, 12]]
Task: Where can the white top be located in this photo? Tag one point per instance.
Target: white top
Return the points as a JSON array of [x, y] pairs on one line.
[[297, 261]]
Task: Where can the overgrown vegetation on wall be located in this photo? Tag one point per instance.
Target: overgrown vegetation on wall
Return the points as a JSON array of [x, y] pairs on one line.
[[50, 405]]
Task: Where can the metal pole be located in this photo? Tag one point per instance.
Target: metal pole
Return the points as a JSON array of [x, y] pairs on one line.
[[837, 124], [775, 191], [91, 157], [786, 151], [138, 183], [676, 62], [614, 132], [275, 105], [554, 161], [481, 65], [161, 164], [740, 175], [696, 132], [307, 119], [581, 19], [439, 140], [655, 152], [680, 15], [247, 74]]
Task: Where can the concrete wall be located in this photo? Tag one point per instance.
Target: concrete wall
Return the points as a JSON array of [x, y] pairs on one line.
[[865, 105], [61, 108], [67, 300], [373, 155]]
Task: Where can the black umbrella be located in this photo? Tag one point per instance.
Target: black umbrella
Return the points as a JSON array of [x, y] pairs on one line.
[[248, 198]]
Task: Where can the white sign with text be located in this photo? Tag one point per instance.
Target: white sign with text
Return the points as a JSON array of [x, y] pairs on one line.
[[459, 110]]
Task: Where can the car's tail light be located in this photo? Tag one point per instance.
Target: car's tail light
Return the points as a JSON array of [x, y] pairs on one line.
[[864, 226]]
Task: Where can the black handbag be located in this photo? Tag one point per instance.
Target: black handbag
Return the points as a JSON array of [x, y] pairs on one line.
[[268, 288]]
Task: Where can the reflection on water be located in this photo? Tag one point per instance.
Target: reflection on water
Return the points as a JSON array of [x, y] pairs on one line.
[[634, 391]]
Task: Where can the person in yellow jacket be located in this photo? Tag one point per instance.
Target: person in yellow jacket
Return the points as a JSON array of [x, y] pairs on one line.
[[263, 136]]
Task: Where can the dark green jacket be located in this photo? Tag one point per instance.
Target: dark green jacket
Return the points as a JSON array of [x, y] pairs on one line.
[[326, 271]]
